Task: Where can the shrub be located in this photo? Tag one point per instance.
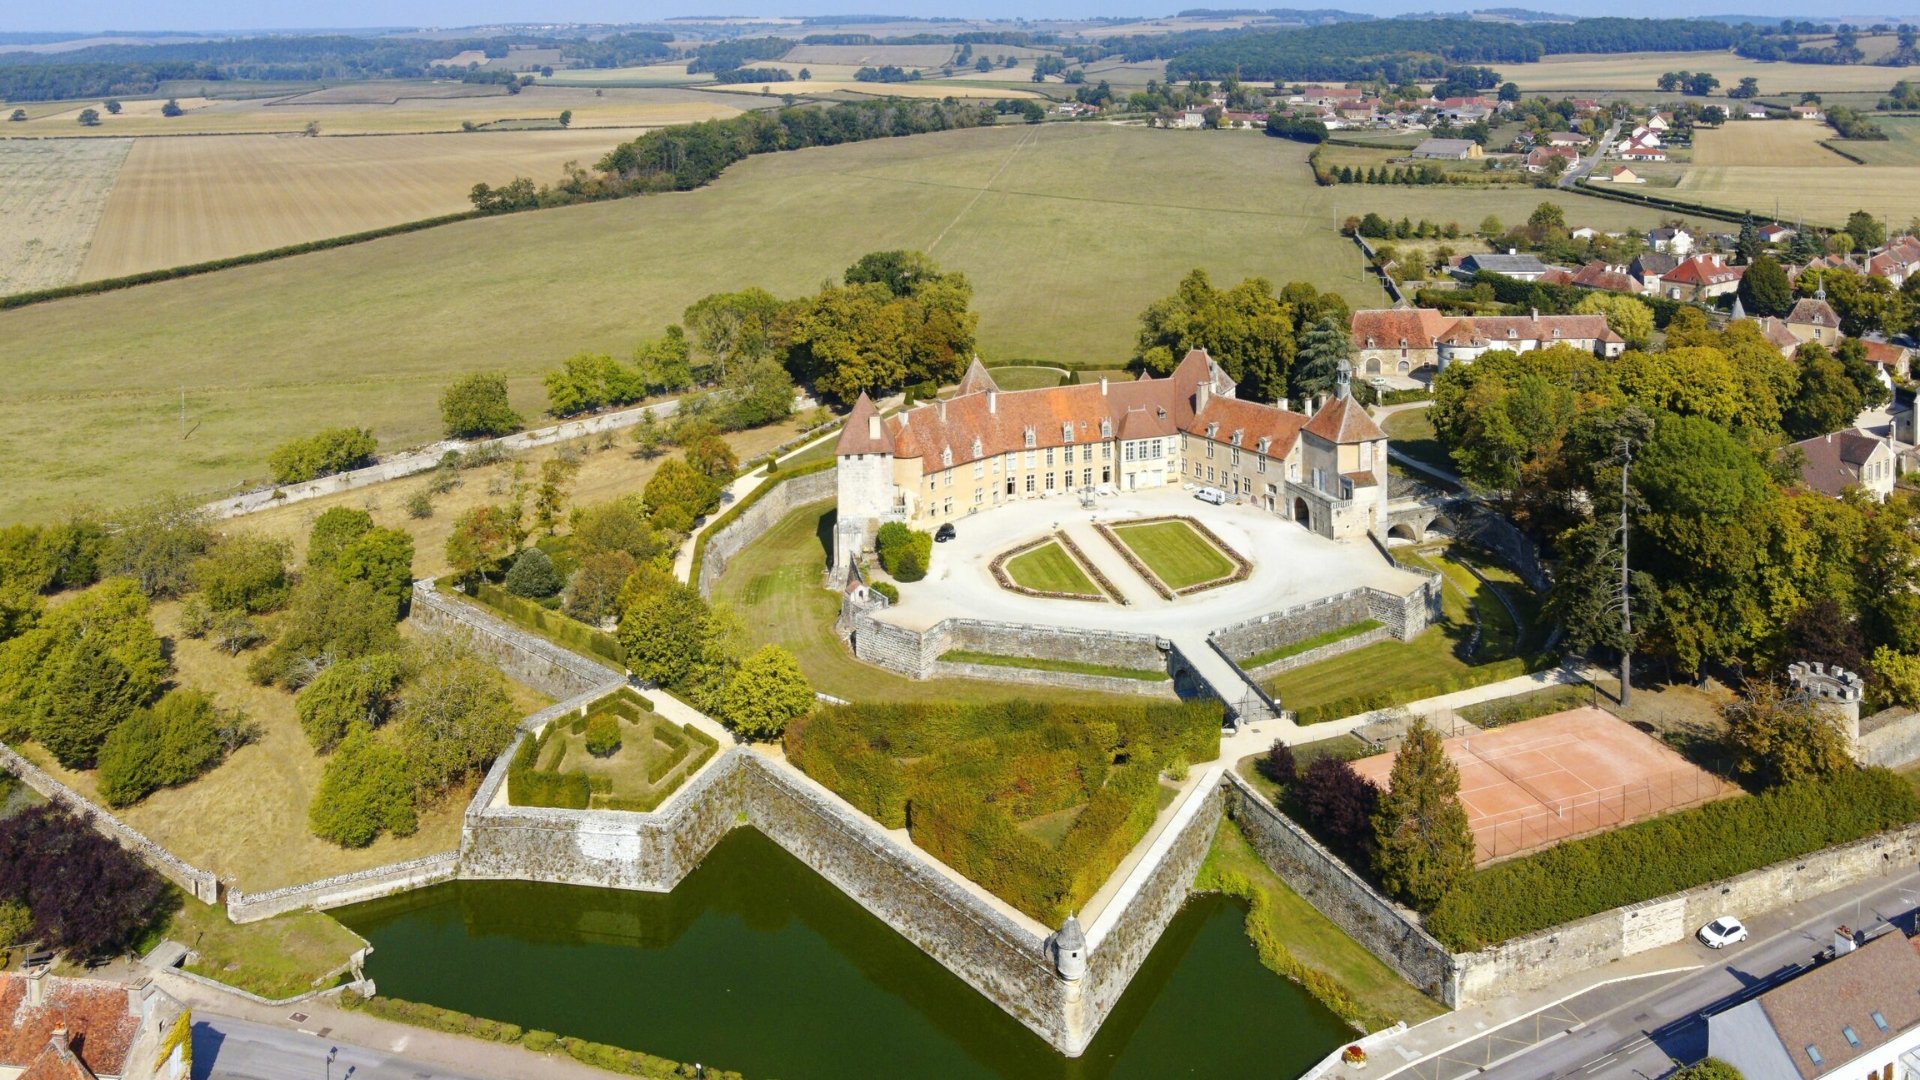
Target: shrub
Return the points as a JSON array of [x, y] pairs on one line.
[[603, 734], [532, 575], [335, 450], [1277, 763], [364, 791], [764, 693], [351, 692], [1670, 853], [243, 573], [539, 1041], [887, 589], [1338, 805], [164, 746], [476, 407], [904, 552], [332, 533], [327, 621]]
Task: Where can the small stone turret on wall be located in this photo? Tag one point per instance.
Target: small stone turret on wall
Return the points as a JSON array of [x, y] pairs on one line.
[[1068, 949], [1835, 691]]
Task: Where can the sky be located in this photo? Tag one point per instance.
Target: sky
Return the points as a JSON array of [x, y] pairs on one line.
[[273, 14]]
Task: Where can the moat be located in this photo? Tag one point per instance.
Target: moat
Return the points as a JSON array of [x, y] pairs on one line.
[[756, 964]]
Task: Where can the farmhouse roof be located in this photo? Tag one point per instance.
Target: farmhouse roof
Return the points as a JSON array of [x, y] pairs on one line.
[[1704, 270], [1567, 138], [1598, 274], [1777, 334], [1813, 1008], [1556, 276], [1540, 155], [1812, 312], [101, 1021], [1443, 147], [1884, 352], [1510, 265], [1388, 328], [1833, 464], [1343, 420], [864, 431]]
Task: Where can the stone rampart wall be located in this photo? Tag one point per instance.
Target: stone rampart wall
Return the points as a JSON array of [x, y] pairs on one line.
[[782, 499], [916, 654], [527, 657], [370, 884], [1071, 680], [1388, 930], [1324, 652], [1892, 744], [1288, 625], [202, 884], [1533, 961], [883, 644]]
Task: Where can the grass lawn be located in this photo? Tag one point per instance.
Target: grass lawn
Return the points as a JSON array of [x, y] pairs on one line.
[[1306, 644], [1406, 671], [1048, 568], [1313, 940], [1411, 433], [774, 588], [963, 656], [1176, 554], [1025, 378], [92, 412], [276, 958]]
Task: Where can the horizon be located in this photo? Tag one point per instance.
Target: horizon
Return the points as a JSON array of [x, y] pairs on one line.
[[231, 17]]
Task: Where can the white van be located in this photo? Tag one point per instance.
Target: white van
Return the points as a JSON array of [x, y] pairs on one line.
[[1211, 495]]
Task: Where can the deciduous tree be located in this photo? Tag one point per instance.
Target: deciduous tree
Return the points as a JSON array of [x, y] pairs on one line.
[[476, 406], [766, 691]]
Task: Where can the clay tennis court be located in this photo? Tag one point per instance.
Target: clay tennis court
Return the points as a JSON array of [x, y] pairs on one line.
[[1538, 782]]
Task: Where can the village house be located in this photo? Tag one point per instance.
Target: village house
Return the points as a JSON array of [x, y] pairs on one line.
[[1701, 277], [1774, 330], [1893, 361], [83, 1029], [1567, 138], [1403, 340], [1808, 112], [1642, 153], [1246, 119], [1670, 241], [1191, 118], [1856, 1015], [1541, 157], [1448, 150], [1649, 268], [1776, 233], [1660, 121], [1623, 175], [1896, 260], [1327, 96], [1813, 319], [1324, 467], [1845, 459], [1756, 111], [1905, 428], [1605, 277]]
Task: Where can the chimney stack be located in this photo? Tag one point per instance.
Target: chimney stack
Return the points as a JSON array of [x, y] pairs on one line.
[[873, 427], [1843, 941], [993, 402], [37, 986], [1103, 386], [1200, 395]]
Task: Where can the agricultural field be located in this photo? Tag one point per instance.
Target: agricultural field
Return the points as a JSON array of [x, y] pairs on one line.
[[1641, 71], [52, 194], [1822, 190], [1765, 142], [878, 55], [1902, 147], [925, 88], [379, 108], [369, 334], [671, 74], [272, 190], [1119, 73]]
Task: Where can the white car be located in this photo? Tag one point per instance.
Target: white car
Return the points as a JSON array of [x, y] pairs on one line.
[[1722, 932]]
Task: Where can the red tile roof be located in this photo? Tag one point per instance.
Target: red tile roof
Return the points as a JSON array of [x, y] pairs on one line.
[[860, 434], [1252, 423], [1777, 334], [1389, 328], [1343, 420], [1703, 270], [1811, 312], [1885, 352], [99, 1018], [1833, 461], [1599, 275], [57, 1062], [977, 379]]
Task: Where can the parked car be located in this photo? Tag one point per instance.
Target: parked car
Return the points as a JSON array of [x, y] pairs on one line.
[[944, 533], [1211, 495], [1722, 932]]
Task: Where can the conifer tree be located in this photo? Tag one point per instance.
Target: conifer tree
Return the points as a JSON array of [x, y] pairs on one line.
[[1423, 846]]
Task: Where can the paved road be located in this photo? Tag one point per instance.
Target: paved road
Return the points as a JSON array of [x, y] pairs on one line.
[[1641, 1027], [229, 1049], [1586, 165]]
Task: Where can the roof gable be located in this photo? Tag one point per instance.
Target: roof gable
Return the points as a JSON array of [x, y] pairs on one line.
[[1343, 421]]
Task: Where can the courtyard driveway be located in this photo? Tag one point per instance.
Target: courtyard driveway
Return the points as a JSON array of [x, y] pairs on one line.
[[1290, 566]]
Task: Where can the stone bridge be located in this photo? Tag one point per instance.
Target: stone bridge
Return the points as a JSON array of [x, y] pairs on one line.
[[1413, 517]]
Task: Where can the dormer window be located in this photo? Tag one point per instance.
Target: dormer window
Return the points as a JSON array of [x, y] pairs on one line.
[[1262, 445], [976, 446], [1162, 412], [1106, 429], [1369, 343], [1556, 333], [1234, 438], [1512, 333], [1031, 440], [1212, 429], [946, 457], [1066, 432]]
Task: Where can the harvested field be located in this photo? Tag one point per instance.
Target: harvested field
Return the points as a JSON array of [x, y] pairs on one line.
[[921, 89], [1902, 147], [1822, 195], [391, 321], [272, 190], [381, 108], [674, 74], [877, 55], [1766, 142], [52, 194], [1642, 71], [1535, 783]]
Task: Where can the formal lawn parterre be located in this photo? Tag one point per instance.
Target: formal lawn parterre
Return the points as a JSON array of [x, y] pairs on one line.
[[1049, 569], [1175, 552], [653, 757]]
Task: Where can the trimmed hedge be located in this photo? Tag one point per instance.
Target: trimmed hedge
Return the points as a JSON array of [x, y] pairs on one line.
[[434, 1018], [740, 507], [1668, 854], [528, 785], [963, 777], [562, 630]]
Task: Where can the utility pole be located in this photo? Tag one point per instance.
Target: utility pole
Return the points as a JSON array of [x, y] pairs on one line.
[[183, 414], [1626, 604]]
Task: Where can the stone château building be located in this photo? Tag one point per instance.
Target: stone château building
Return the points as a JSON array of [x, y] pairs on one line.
[[986, 447]]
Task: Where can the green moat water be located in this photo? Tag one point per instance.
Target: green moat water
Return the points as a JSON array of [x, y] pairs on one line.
[[757, 964]]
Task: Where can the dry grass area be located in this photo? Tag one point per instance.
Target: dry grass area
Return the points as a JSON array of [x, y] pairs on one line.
[[922, 89], [1641, 71], [1902, 145], [52, 194], [188, 200], [1766, 142], [604, 474], [671, 74], [1822, 195], [877, 55], [384, 108], [247, 819]]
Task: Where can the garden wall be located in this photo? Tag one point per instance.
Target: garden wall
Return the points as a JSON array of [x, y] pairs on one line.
[[526, 657], [781, 499], [200, 883], [1890, 740], [1402, 617], [370, 884], [916, 654], [1071, 680]]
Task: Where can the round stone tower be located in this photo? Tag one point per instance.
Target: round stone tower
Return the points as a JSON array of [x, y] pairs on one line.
[[1834, 691], [1068, 946]]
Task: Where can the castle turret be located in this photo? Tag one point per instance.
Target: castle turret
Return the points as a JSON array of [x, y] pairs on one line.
[[1833, 690], [864, 478], [1068, 948]]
